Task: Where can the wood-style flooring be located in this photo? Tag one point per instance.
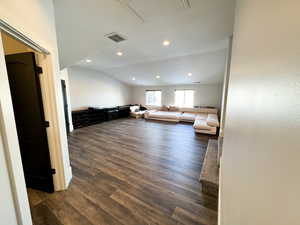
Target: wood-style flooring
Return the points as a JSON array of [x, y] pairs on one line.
[[131, 172]]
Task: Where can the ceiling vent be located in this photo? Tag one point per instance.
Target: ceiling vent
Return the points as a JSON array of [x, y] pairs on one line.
[[186, 4], [115, 37]]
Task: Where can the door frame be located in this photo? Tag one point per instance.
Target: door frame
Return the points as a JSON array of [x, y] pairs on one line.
[[57, 140], [65, 102]]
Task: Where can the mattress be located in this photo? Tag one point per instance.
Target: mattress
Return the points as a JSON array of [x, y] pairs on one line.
[[165, 115], [212, 120], [188, 117], [201, 125], [213, 131], [201, 116]]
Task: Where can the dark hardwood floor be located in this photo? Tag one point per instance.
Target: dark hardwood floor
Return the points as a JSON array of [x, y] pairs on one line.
[[131, 172]]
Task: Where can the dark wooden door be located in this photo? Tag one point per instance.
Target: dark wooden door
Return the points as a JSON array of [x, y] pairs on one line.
[[24, 82], [64, 92]]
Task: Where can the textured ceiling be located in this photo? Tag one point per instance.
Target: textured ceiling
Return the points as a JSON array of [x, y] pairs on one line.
[[198, 38]]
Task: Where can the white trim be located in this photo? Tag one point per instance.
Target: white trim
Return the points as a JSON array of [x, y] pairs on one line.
[[48, 94], [19, 36], [225, 87], [59, 155], [11, 146], [9, 208]]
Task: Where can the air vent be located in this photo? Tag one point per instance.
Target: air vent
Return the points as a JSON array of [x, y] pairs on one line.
[[197, 82], [115, 37], [186, 4]]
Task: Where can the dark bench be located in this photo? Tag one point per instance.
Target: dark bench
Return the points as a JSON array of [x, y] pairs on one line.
[[92, 115]]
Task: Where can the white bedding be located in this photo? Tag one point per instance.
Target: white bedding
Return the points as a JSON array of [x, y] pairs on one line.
[[188, 117], [201, 125], [212, 120], [201, 116], [164, 115]]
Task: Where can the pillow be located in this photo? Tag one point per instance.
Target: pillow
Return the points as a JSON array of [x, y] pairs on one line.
[[164, 108], [201, 125], [173, 108], [135, 108], [212, 120]]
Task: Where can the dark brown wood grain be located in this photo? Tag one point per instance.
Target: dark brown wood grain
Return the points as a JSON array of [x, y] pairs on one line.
[[131, 172]]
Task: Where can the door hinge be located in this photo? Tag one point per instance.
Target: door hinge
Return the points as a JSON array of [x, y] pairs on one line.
[[53, 171], [47, 124], [39, 69]]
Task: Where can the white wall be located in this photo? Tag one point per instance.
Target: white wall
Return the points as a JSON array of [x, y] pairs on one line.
[[261, 161], [205, 95], [91, 88]]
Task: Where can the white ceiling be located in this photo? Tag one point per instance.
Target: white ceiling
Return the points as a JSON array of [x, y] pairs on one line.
[[198, 38]]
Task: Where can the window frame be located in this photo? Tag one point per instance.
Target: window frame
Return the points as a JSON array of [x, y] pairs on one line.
[[160, 103], [184, 98]]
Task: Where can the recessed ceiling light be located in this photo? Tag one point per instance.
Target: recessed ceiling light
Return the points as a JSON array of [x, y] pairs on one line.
[[157, 77], [133, 78], [190, 74], [166, 43], [88, 60], [119, 53]]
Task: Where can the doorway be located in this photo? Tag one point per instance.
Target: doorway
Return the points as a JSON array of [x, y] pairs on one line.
[[53, 112], [24, 81], [24, 75]]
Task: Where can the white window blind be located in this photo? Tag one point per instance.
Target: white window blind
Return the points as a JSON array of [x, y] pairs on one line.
[[153, 97], [184, 98]]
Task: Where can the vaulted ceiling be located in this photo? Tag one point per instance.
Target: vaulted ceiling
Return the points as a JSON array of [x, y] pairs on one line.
[[198, 36]]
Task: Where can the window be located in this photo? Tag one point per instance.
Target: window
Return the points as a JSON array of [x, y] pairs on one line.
[[184, 98], [153, 98]]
